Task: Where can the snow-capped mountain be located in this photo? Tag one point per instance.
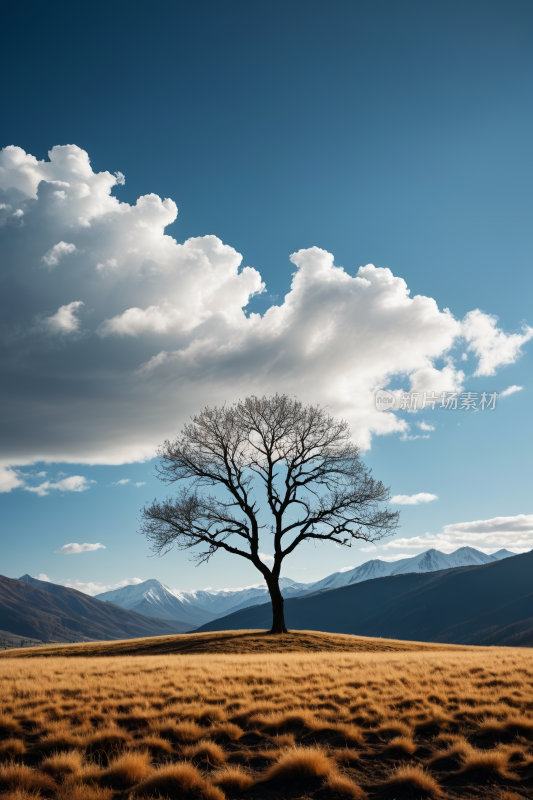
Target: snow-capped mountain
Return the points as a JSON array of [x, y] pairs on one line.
[[196, 606], [199, 606], [155, 599], [430, 561]]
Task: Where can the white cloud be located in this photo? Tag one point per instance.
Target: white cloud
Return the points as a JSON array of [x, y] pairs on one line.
[[413, 499], [9, 479], [64, 320], [512, 533], [492, 346], [74, 547], [266, 557], [425, 426], [344, 569], [165, 325], [93, 588], [123, 482], [511, 390], [140, 483], [42, 577], [58, 251], [74, 483], [406, 438]]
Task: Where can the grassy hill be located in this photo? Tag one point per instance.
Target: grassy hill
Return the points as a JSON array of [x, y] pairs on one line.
[[229, 642]]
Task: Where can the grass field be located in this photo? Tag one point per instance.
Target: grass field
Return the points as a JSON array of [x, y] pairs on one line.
[[371, 718]]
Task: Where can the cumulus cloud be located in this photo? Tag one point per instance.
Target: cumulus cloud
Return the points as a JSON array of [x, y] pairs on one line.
[[512, 533], [42, 577], [412, 499], [491, 345], [511, 390], [74, 547], [74, 483], [9, 479], [58, 251], [425, 426], [65, 319], [166, 328], [344, 569], [266, 557]]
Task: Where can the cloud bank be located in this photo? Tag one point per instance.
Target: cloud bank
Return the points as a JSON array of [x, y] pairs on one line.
[[412, 499], [74, 483], [74, 547], [511, 390], [114, 333], [513, 533]]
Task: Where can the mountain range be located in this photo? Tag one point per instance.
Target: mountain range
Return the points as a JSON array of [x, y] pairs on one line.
[[429, 561], [200, 606], [490, 604], [41, 610], [196, 606]]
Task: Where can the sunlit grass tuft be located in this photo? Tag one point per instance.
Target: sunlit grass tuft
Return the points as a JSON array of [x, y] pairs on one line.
[[181, 780], [233, 779], [299, 763], [414, 777], [127, 769], [342, 785]]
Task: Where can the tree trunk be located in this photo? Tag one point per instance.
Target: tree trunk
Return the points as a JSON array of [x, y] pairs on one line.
[[278, 620]]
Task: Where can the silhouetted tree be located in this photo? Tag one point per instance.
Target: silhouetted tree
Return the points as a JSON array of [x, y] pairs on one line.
[[299, 458]]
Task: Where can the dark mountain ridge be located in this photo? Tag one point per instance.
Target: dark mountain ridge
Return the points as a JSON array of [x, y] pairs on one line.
[[487, 604], [41, 610]]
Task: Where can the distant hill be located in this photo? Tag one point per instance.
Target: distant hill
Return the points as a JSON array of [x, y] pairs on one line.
[[40, 610], [485, 605]]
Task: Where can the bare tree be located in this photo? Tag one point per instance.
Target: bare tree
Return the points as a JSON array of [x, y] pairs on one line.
[[297, 458]]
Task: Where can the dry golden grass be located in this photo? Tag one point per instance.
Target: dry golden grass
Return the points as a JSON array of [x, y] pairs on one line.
[[402, 743], [61, 764], [414, 777], [230, 643], [181, 780], [20, 776], [299, 763], [128, 769], [342, 785], [10, 748], [84, 792], [381, 724], [233, 779]]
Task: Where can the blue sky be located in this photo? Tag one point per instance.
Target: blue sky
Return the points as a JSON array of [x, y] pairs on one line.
[[392, 134]]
